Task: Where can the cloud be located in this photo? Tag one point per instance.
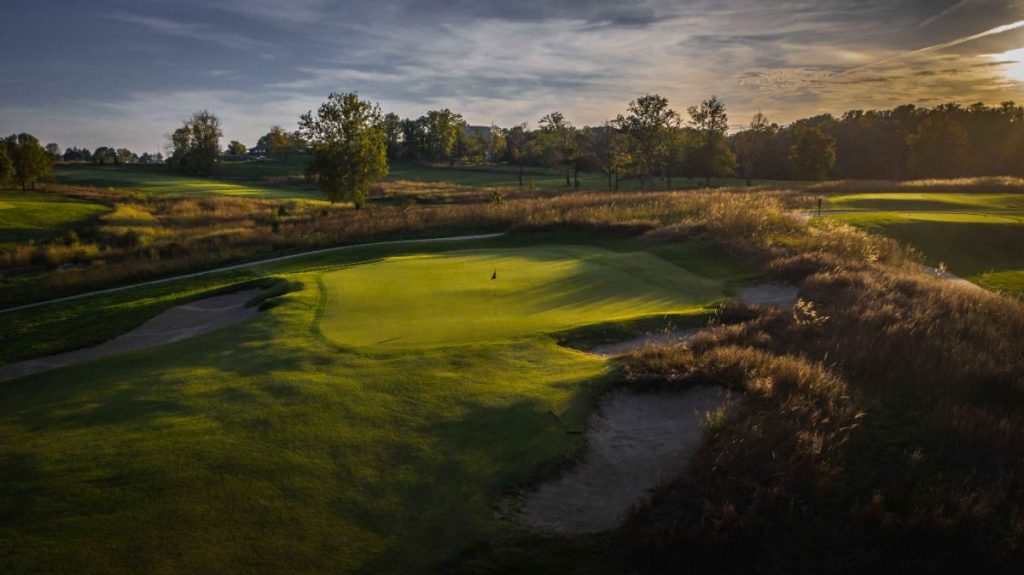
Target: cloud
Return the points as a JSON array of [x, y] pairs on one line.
[[202, 32], [1002, 29], [504, 62], [947, 12]]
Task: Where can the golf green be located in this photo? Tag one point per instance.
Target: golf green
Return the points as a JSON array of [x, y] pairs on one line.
[[497, 295]]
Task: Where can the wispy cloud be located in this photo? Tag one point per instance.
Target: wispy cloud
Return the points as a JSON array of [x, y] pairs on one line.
[[942, 46], [192, 31], [953, 9]]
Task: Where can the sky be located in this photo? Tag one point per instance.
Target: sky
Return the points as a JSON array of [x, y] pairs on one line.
[[127, 73]]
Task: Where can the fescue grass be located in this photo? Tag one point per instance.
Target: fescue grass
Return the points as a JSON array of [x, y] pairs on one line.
[[880, 426], [35, 216]]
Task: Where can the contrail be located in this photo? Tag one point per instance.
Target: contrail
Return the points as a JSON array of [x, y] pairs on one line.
[[992, 32], [946, 12]]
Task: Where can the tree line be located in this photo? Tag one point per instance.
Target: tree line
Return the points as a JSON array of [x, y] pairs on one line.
[[23, 161], [352, 141], [907, 142]]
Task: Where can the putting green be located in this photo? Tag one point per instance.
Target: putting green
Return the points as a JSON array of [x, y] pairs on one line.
[[450, 298]]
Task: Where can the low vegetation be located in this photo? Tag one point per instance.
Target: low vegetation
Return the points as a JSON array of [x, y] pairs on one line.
[[880, 424]]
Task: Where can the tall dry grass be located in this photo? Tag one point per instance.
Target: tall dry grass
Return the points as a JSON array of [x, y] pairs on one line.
[[980, 185], [896, 440]]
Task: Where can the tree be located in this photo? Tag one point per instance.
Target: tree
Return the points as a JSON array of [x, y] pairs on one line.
[[677, 148], [517, 140], [54, 150], [392, 126], [280, 143], [713, 158], [6, 165], [196, 145], [752, 143], [442, 131], [349, 146], [558, 140], [76, 154], [124, 156], [939, 147], [497, 144], [236, 148], [104, 155], [31, 161], [648, 122], [812, 153], [607, 151]]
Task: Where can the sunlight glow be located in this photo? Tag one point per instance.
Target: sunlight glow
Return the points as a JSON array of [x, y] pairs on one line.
[[1013, 62]]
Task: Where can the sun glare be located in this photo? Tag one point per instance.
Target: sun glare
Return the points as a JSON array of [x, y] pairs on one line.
[[1013, 64]]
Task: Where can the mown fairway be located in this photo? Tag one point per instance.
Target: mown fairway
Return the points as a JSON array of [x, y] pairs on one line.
[[476, 176], [38, 216], [978, 236], [267, 447], [159, 180]]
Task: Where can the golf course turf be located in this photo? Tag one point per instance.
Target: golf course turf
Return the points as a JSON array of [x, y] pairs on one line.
[[32, 215], [452, 298], [290, 442], [977, 236], [158, 180]]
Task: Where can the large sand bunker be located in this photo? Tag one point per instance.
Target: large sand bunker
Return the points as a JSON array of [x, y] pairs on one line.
[[177, 323], [635, 442]]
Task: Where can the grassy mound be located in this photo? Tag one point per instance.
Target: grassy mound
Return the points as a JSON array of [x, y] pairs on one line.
[[32, 215], [451, 299]]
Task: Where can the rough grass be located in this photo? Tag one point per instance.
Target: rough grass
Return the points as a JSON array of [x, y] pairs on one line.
[[35, 216], [880, 424]]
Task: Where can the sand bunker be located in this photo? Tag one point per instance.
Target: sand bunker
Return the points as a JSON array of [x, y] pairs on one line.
[[630, 345], [635, 442], [177, 323], [949, 277], [783, 296]]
